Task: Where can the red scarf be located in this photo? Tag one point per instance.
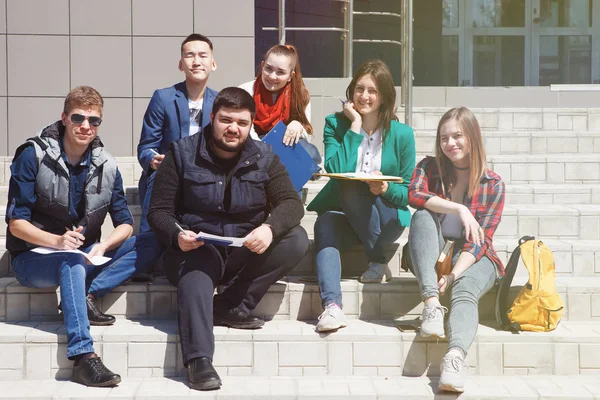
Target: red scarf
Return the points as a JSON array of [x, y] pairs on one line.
[[267, 114]]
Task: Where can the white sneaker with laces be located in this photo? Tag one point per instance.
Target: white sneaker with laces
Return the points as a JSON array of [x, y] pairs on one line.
[[453, 370], [331, 319], [432, 321], [376, 273]]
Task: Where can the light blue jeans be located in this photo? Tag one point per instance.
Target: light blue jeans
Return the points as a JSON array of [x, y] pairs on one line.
[[365, 219], [76, 278], [425, 244]]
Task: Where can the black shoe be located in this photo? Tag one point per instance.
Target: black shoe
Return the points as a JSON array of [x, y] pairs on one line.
[[92, 372], [237, 318], [96, 316], [202, 374]]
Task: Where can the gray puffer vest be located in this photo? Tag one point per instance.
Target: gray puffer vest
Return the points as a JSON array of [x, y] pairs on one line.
[[51, 210]]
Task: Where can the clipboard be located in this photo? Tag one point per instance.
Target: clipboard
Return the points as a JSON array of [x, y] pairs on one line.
[[359, 176], [298, 163]]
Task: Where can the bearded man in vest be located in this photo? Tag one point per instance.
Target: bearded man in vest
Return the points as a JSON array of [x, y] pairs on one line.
[[63, 183], [223, 183]]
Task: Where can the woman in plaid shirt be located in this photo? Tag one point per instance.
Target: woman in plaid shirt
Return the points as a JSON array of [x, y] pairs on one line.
[[457, 197]]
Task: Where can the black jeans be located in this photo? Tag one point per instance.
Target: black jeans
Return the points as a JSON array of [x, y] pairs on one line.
[[246, 275]]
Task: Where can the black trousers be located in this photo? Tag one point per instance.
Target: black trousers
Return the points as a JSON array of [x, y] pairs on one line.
[[246, 276]]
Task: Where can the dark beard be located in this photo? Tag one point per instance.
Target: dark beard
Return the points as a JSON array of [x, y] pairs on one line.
[[224, 147]]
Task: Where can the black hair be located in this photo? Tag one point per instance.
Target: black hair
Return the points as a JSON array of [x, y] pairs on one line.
[[236, 98], [196, 37]]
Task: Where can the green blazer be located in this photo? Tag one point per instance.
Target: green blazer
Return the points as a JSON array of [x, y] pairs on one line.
[[341, 154]]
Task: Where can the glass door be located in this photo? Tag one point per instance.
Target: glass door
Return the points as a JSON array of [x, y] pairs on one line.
[[565, 42], [520, 42]]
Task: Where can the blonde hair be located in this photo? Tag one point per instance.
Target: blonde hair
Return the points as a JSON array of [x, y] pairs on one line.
[[469, 127]]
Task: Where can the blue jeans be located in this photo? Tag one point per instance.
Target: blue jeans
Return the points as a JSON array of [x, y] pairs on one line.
[[365, 219], [76, 278], [425, 242], [145, 192]]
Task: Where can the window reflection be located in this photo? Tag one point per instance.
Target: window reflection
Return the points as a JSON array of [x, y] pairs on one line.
[[565, 13], [450, 61], [498, 61], [565, 59], [450, 13], [498, 13]]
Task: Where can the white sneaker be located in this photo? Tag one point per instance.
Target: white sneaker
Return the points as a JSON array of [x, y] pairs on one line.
[[376, 273], [331, 319], [432, 321], [453, 370]]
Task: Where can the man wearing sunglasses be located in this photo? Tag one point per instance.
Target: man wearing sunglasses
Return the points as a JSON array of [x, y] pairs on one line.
[[176, 112], [63, 184]]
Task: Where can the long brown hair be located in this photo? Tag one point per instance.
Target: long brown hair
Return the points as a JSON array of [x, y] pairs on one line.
[[299, 96], [385, 85], [469, 127]]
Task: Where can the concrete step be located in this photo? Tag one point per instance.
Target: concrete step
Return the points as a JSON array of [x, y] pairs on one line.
[[517, 194], [542, 193], [548, 221], [546, 387], [147, 348], [509, 142], [549, 167], [573, 257], [293, 298]]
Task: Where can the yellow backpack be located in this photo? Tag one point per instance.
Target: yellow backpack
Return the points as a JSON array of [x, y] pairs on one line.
[[537, 307]]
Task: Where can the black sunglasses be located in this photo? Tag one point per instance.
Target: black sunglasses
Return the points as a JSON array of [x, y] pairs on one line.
[[78, 119]]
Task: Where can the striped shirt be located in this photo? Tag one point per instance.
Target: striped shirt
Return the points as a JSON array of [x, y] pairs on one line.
[[486, 206]]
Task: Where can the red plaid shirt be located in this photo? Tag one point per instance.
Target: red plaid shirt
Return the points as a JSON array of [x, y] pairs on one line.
[[486, 206]]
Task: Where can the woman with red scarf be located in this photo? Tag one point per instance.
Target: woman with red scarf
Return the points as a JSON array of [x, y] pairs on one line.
[[280, 95]]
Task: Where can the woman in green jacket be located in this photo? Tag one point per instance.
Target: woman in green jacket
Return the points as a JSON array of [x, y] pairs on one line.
[[366, 138]]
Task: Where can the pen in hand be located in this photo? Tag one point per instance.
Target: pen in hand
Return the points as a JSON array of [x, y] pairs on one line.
[[182, 230]]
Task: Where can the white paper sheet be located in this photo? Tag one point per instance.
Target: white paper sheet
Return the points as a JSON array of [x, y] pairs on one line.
[[96, 260], [220, 240]]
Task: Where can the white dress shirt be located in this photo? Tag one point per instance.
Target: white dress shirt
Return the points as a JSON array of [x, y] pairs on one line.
[[369, 152]]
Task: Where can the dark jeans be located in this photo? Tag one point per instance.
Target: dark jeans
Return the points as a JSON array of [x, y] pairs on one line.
[[365, 219], [247, 277], [76, 278], [145, 192]]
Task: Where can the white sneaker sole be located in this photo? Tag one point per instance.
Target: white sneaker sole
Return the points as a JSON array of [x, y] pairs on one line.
[[330, 328], [425, 335], [450, 388]]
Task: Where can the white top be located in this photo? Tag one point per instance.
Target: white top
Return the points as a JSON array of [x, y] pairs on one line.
[[249, 87], [195, 112], [369, 152]]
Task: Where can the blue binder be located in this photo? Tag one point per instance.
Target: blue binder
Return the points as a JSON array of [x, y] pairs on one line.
[[296, 159]]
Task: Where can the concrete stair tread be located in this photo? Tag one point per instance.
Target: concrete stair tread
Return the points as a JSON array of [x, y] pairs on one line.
[[314, 387], [150, 348], [358, 330]]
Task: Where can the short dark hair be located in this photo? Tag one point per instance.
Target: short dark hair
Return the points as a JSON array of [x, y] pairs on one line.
[[83, 96], [196, 37], [236, 98]]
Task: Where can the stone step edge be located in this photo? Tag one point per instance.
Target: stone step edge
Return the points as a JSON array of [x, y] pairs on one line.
[[152, 348], [357, 330], [313, 387], [308, 284]]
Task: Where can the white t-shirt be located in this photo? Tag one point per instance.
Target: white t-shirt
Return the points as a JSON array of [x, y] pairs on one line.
[[249, 87], [195, 116], [369, 152]]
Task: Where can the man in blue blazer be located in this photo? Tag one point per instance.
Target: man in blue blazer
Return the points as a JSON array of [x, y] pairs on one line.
[[176, 112]]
